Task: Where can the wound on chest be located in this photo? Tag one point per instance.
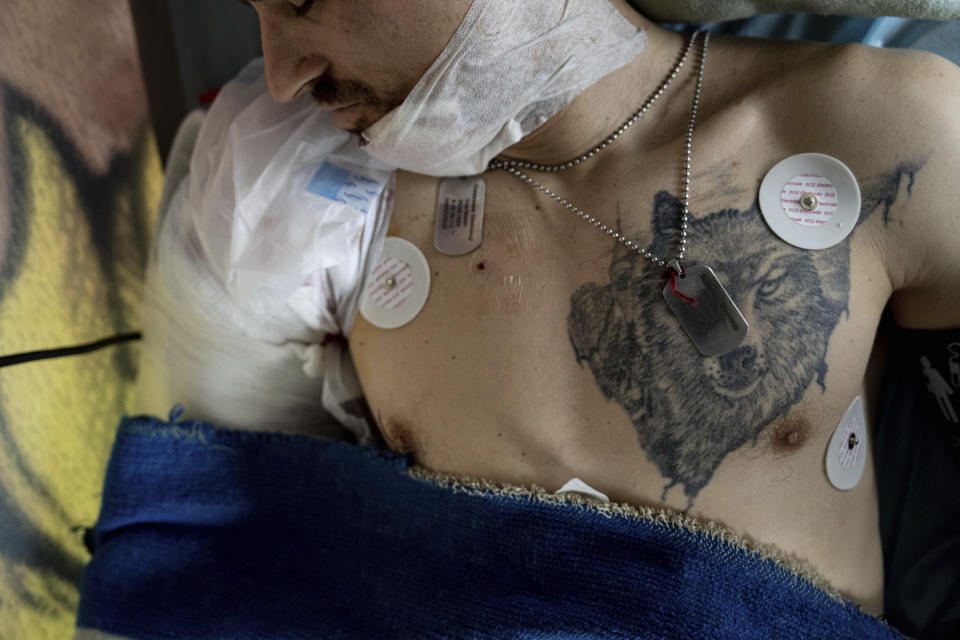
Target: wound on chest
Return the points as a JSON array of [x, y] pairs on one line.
[[495, 285], [495, 278]]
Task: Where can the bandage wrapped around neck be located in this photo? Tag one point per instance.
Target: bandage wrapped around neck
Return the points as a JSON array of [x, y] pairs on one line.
[[509, 68]]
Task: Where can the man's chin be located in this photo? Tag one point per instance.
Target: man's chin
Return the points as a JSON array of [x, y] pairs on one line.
[[359, 117], [347, 118]]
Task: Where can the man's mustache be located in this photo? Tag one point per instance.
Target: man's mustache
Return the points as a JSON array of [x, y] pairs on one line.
[[330, 92]]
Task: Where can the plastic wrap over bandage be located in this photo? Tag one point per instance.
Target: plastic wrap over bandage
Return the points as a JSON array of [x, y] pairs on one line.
[[258, 269], [508, 69]]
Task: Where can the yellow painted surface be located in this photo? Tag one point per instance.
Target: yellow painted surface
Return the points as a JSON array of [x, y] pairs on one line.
[[58, 416]]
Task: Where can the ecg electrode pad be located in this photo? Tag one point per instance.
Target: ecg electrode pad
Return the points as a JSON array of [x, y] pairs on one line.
[[397, 287], [847, 452], [810, 200]]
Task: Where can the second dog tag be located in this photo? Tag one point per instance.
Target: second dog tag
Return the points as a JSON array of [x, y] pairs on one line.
[[460, 208]]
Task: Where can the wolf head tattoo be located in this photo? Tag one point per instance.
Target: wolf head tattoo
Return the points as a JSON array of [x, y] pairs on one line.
[[691, 411]]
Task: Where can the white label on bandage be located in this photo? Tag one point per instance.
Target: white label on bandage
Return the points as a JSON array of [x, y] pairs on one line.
[[809, 199], [847, 452], [460, 208], [397, 287], [336, 183]]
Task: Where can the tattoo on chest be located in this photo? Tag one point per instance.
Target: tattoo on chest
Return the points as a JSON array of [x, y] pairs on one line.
[[690, 411]]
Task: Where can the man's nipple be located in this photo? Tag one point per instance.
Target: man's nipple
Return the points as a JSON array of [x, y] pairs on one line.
[[789, 434]]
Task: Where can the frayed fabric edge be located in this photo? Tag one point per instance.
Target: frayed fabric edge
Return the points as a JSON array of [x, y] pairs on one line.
[[662, 516]]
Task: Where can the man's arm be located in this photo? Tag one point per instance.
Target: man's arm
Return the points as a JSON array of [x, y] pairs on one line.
[[922, 240]]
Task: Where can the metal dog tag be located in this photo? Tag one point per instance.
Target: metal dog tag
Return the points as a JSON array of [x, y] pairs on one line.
[[460, 207], [706, 311]]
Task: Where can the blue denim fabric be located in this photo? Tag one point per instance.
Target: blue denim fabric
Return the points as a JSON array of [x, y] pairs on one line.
[[210, 533]]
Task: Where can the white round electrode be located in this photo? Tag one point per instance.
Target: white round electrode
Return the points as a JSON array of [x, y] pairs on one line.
[[810, 200], [398, 285], [846, 455]]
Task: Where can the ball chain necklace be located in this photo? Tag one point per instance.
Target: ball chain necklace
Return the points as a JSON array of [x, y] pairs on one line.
[[694, 293]]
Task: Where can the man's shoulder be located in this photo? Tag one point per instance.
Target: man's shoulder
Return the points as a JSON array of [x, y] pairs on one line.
[[890, 115], [903, 91], [899, 108], [902, 78], [891, 102], [874, 106], [844, 79]]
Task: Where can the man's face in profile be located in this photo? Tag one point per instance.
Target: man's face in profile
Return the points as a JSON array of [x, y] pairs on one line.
[[358, 58]]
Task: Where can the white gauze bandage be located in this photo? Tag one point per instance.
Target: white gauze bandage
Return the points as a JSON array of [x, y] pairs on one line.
[[509, 68]]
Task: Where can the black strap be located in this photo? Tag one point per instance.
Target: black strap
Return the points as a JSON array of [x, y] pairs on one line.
[[61, 352]]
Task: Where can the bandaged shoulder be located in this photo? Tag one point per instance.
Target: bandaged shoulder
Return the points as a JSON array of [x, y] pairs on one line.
[[259, 265]]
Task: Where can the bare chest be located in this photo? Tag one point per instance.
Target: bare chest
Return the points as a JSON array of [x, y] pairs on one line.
[[550, 353], [560, 336]]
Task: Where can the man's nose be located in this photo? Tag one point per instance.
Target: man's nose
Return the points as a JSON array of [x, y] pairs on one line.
[[289, 64]]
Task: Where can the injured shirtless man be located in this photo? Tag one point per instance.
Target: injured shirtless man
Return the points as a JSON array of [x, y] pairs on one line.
[[584, 337]]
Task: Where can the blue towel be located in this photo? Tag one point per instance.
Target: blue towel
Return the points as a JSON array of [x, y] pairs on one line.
[[210, 533]]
